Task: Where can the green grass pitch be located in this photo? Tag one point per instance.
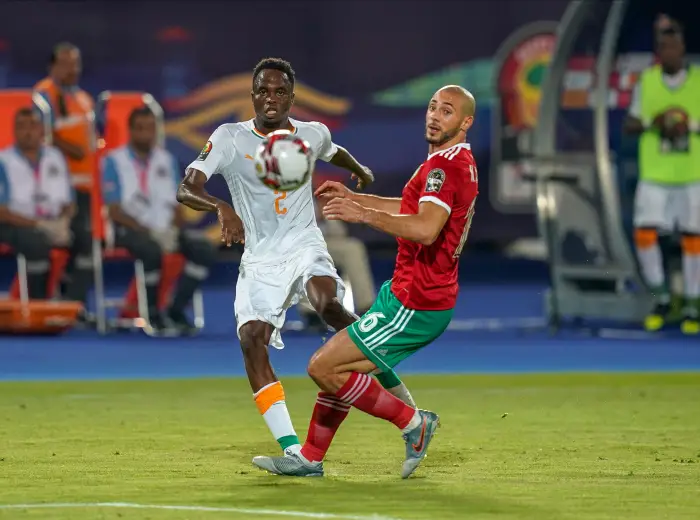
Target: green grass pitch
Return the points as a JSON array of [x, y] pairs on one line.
[[511, 447]]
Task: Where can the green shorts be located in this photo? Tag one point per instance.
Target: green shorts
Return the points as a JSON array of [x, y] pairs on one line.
[[389, 332]]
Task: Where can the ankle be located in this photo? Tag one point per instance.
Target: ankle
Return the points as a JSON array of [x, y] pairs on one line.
[[311, 454], [413, 423]]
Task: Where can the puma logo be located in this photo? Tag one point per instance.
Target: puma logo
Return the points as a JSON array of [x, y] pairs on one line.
[[249, 157]]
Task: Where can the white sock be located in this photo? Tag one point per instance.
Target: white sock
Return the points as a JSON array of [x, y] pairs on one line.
[[691, 275], [652, 264], [413, 423], [272, 406], [401, 392]]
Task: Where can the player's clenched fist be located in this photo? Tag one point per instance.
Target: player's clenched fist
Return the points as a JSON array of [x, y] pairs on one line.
[[332, 190], [365, 179], [231, 225], [344, 209]]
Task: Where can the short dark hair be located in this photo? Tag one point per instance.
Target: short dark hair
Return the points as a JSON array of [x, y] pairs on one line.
[[59, 48], [143, 111], [274, 64], [25, 112]]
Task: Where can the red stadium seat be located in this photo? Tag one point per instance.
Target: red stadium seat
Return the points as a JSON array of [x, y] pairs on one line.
[[117, 106], [19, 314], [10, 102]]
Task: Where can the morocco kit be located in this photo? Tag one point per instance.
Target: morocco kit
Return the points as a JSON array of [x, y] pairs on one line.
[[416, 305]]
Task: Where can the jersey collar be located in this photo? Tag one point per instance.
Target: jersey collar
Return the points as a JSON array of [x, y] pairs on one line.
[[31, 163], [134, 157], [256, 133], [466, 146], [66, 89]]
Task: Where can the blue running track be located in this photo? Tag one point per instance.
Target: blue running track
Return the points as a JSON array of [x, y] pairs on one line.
[[215, 353]]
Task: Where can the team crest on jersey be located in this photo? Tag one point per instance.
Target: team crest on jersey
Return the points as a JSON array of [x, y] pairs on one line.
[[162, 172], [53, 171], [205, 151], [436, 178]]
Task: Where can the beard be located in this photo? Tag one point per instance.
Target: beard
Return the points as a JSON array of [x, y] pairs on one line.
[[441, 138]]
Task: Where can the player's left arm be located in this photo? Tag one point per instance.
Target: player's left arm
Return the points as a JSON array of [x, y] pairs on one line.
[[178, 213], [338, 156], [344, 159]]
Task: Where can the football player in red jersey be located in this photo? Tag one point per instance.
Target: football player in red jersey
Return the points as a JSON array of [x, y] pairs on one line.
[[431, 221]]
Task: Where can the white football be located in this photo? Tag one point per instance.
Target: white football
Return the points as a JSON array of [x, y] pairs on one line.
[[283, 161]]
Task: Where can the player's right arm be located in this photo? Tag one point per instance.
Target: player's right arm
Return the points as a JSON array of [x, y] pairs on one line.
[[215, 155], [332, 190]]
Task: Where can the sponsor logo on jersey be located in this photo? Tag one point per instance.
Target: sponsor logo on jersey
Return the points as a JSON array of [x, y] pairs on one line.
[[436, 178], [205, 151]]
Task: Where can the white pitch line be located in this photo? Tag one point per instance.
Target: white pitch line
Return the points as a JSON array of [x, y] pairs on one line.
[[247, 511]]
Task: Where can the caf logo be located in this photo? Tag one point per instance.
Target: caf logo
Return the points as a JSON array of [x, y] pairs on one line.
[[521, 66], [520, 79]]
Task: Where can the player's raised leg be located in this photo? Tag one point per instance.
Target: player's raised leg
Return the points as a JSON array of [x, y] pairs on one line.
[[385, 336], [267, 389], [322, 292], [341, 370]]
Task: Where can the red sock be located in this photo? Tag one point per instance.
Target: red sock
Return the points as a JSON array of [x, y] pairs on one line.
[[366, 394], [329, 414]]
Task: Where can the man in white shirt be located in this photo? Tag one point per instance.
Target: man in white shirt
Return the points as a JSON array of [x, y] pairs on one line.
[[285, 256], [139, 183], [36, 200]]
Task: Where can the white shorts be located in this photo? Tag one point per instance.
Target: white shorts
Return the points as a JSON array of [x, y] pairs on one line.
[[667, 207], [264, 292]]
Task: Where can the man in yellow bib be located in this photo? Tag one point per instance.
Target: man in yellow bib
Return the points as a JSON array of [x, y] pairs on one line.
[[665, 113]]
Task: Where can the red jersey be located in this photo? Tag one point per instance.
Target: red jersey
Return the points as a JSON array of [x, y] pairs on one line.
[[425, 277]]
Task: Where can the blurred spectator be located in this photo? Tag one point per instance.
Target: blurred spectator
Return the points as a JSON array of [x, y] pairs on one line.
[[665, 112], [350, 257], [74, 135], [140, 182], [36, 199]]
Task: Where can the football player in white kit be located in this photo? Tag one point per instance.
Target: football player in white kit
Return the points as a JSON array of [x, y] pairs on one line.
[[285, 256]]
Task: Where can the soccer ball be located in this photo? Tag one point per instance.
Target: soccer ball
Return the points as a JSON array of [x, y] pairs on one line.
[[283, 161]]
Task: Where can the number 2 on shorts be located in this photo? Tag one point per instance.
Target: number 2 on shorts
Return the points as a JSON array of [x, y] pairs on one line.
[[281, 195]]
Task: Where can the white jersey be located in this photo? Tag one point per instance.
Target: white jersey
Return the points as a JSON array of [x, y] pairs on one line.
[[276, 224], [40, 190]]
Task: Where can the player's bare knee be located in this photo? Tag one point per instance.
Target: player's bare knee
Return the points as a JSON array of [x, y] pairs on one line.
[[329, 309], [315, 366], [322, 374], [319, 302], [252, 339]]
